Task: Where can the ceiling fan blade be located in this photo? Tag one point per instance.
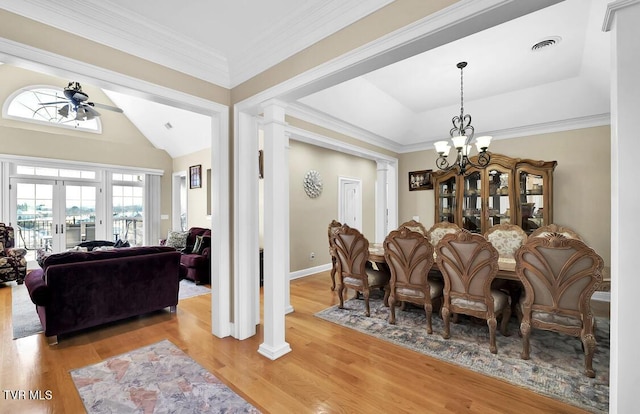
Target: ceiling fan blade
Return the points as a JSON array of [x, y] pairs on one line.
[[108, 107], [85, 112], [53, 103]]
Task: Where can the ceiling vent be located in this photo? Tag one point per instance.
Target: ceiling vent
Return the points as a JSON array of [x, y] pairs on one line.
[[546, 43]]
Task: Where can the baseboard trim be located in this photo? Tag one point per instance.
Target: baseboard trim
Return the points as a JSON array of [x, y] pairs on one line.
[[309, 271]]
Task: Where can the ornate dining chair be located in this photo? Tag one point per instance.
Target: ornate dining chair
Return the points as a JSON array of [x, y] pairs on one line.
[[354, 270], [414, 226], [545, 231], [409, 256], [469, 264], [13, 264], [507, 239], [439, 230], [559, 275], [332, 226]]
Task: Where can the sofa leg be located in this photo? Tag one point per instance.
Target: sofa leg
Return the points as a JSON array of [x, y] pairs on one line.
[[173, 309], [52, 340]]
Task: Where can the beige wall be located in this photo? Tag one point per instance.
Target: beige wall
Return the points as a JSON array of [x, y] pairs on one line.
[[196, 197], [309, 217], [582, 181]]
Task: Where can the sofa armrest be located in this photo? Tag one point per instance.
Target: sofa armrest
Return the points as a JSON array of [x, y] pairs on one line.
[[37, 287]]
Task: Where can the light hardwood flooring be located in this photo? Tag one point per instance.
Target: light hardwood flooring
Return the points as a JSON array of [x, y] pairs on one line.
[[331, 369]]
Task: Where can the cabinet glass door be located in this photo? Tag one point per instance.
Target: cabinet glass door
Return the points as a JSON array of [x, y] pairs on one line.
[[472, 203], [447, 199], [499, 208], [531, 201]]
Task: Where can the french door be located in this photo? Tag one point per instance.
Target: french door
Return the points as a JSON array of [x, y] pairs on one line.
[[54, 214]]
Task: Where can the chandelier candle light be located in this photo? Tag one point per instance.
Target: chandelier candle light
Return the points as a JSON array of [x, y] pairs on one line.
[[462, 135]]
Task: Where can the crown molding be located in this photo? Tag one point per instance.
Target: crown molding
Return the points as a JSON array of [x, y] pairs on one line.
[[129, 32], [612, 8], [321, 119], [295, 32], [529, 130], [308, 114]]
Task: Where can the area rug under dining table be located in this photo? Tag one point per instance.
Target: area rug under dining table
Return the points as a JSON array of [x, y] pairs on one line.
[[157, 378], [555, 368]]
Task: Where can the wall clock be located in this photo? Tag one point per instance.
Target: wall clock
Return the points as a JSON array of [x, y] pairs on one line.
[[312, 183]]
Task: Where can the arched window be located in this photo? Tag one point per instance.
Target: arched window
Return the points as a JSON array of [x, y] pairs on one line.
[[46, 105]]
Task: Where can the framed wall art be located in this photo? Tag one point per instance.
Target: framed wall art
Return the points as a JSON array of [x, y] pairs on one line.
[[195, 176], [420, 180]]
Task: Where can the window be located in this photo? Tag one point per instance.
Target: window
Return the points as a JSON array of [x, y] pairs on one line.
[[46, 105]]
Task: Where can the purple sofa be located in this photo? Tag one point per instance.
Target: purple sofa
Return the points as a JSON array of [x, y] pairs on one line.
[[78, 290]]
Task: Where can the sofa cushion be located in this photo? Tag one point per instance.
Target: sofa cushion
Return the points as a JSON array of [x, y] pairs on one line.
[[194, 260], [177, 239], [74, 257]]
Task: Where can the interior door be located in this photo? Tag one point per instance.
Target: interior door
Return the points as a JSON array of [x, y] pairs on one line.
[[351, 203]]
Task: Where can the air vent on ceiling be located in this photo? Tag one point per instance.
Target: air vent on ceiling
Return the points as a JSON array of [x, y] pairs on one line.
[[546, 43]]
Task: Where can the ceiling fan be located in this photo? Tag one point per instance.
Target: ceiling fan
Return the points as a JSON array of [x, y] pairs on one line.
[[78, 103]]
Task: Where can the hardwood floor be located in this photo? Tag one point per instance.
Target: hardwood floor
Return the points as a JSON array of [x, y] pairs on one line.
[[330, 369]]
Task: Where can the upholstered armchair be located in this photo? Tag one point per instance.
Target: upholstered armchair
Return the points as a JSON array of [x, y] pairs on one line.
[[354, 270], [13, 264], [469, 264], [334, 267], [414, 226], [195, 245], [559, 275], [409, 256]]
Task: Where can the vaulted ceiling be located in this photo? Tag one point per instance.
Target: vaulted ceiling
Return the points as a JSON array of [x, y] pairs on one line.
[[509, 89]]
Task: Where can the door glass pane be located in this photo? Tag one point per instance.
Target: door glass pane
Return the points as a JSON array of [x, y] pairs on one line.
[[34, 214], [128, 223], [531, 201], [499, 208], [80, 214], [447, 200], [472, 203]]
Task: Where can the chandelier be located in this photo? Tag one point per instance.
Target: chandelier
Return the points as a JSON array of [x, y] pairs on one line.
[[461, 136]]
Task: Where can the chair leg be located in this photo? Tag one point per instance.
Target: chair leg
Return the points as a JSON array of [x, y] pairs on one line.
[[493, 324], [525, 328], [341, 291], [589, 343], [504, 324], [445, 318], [428, 309], [366, 303], [392, 309]]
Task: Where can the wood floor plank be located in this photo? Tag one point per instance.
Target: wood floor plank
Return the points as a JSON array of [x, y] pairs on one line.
[[331, 369]]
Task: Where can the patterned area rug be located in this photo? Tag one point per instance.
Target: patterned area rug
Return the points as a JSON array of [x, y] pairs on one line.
[[158, 378], [555, 368], [25, 320]]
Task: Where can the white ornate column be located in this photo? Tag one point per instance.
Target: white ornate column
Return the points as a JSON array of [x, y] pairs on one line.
[[276, 230], [622, 22], [382, 197]]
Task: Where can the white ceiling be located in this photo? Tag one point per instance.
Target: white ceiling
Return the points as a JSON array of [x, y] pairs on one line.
[[408, 105]]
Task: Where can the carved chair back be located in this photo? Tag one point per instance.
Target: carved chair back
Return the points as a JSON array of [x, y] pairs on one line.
[[506, 238]]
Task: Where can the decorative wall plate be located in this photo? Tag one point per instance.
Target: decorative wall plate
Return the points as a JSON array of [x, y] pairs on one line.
[[312, 183]]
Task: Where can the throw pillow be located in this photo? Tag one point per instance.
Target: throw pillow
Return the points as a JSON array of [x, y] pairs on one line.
[[198, 245], [177, 239]]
